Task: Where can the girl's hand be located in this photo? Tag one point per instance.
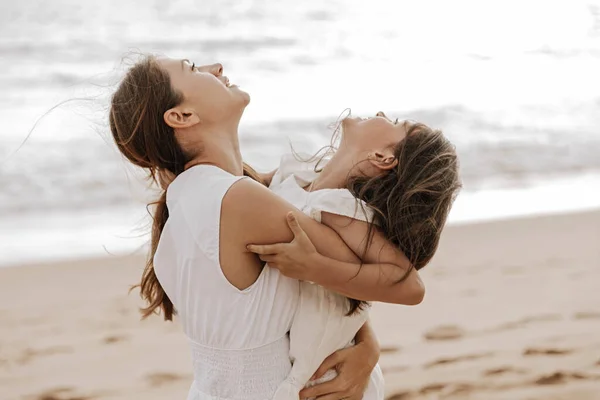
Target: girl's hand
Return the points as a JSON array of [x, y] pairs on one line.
[[295, 259]]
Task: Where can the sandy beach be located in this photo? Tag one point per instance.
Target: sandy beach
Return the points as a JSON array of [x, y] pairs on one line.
[[512, 312]]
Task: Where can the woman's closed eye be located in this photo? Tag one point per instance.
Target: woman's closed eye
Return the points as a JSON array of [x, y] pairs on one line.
[[193, 67]]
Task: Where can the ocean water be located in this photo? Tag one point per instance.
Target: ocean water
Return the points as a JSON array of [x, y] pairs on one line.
[[514, 84]]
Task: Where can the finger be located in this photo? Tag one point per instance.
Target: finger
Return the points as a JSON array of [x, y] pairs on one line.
[[334, 396], [268, 258], [294, 224], [320, 389], [329, 363], [264, 248]]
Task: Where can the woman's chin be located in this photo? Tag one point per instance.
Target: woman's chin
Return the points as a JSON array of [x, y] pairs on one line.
[[244, 96]]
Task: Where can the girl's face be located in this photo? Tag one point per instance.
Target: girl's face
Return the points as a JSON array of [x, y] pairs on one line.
[[371, 133], [373, 139]]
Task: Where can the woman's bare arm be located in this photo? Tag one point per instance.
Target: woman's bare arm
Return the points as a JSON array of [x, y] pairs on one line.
[[378, 280], [334, 264], [261, 216]]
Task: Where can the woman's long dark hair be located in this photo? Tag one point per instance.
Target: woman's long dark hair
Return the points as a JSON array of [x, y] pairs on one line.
[[143, 137]]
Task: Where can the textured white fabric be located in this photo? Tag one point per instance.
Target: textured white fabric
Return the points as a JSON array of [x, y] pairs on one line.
[[240, 374], [320, 326], [240, 347]]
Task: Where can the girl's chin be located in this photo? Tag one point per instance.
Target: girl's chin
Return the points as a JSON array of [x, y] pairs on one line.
[[352, 119]]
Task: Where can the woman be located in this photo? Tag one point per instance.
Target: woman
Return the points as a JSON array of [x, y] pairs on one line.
[[167, 114]]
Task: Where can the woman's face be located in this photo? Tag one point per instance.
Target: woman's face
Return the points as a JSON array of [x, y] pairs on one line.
[[206, 91]]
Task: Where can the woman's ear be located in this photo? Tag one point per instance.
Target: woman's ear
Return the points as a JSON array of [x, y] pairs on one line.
[[178, 119], [383, 160]]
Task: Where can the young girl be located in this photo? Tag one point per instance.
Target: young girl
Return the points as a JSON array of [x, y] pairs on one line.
[[388, 184]]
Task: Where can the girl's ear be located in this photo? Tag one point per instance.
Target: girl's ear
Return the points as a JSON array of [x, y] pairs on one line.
[[383, 160]]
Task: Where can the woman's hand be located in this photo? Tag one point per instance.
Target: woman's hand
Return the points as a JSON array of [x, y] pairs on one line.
[[295, 259], [353, 365]]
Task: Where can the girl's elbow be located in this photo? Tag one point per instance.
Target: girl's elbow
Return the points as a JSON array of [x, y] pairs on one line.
[[413, 296], [418, 296]]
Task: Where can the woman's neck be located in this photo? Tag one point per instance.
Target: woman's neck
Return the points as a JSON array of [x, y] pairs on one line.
[[219, 147]]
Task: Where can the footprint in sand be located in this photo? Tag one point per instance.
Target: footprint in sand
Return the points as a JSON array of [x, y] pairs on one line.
[[45, 396], [402, 396], [560, 377], [446, 389], [61, 394], [433, 388], [163, 378], [586, 315], [452, 360], [512, 270], [433, 391], [503, 371], [115, 339], [394, 368], [526, 321], [389, 349], [30, 354], [546, 352], [460, 388], [445, 332]]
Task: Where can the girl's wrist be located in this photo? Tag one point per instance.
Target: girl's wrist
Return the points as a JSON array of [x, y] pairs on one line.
[[316, 263]]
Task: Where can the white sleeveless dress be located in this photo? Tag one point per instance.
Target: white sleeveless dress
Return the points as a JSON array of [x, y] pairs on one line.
[[239, 338], [320, 326]]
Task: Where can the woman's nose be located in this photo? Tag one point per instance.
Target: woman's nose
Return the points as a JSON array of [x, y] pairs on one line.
[[217, 69], [380, 114]]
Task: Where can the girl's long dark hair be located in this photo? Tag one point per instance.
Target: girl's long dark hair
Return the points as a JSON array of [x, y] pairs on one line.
[[411, 202]]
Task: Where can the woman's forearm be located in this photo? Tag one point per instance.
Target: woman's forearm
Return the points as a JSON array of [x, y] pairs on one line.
[[369, 282]]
